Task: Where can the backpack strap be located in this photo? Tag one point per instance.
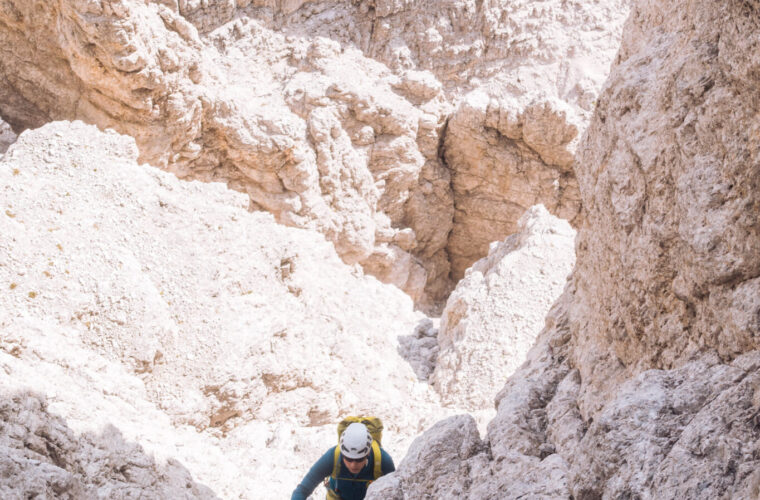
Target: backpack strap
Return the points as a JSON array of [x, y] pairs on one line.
[[378, 469], [336, 463], [376, 453]]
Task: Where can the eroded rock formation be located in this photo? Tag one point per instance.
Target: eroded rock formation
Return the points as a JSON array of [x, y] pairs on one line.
[[212, 339], [46, 459], [645, 382], [332, 115], [503, 161], [496, 312], [671, 175]]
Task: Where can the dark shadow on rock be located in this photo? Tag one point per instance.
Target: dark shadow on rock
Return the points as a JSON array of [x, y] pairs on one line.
[[420, 349], [41, 457]]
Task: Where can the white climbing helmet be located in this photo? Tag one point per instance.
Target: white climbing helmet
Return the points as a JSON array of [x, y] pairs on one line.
[[355, 442]]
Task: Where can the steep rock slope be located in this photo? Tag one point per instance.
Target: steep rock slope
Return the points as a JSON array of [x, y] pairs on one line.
[[496, 312], [156, 334], [333, 115], [645, 382]]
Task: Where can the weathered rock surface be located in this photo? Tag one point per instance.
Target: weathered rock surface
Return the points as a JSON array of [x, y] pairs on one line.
[[7, 137], [514, 460], [332, 115], [644, 383], [496, 312], [690, 432], [497, 172], [47, 459], [670, 176], [203, 334]]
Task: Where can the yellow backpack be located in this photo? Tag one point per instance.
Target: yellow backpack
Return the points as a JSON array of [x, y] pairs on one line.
[[375, 428]]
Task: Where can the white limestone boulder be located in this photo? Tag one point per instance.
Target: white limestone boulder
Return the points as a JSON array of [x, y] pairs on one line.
[[495, 313]]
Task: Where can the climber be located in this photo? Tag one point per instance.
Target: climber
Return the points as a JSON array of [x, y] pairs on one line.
[[350, 468]]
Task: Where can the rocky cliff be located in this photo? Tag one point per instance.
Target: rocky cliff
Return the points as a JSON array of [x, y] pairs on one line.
[[173, 338], [645, 382], [159, 339], [497, 310], [410, 133]]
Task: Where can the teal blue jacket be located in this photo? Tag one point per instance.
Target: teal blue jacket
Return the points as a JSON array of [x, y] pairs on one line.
[[346, 486]]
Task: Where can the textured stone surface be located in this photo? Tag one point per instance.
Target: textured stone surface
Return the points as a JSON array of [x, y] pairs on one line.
[[433, 465], [644, 383], [201, 332], [331, 115], [690, 432], [515, 459], [47, 459], [493, 316], [7, 137], [669, 259], [208, 336], [498, 172]]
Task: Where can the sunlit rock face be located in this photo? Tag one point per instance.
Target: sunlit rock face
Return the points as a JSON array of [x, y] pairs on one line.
[[496, 312], [504, 159], [644, 383], [361, 120], [669, 261], [157, 337]]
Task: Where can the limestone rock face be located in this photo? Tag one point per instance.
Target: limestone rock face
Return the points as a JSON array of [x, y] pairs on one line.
[[495, 313], [515, 459], [211, 339], [333, 115], [644, 383], [45, 458], [505, 160], [669, 260], [684, 433], [434, 462], [7, 137]]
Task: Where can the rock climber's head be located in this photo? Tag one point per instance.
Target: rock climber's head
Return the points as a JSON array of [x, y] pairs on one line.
[[355, 445]]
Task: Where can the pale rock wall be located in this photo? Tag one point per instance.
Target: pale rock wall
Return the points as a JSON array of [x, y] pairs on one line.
[[690, 432], [100, 61], [330, 115], [515, 460], [203, 333], [504, 160], [493, 316], [520, 81], [669, 261], [47, 459], [644, 383], [7, 137]]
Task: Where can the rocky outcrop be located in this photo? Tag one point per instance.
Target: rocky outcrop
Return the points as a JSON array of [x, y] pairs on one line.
[[206, 335], [47, 459], [330, 115], [7, 137], [515, 459], [671, 248], [644, 383], [496, 312], [444, 450], [690, 432], [503, 161]]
